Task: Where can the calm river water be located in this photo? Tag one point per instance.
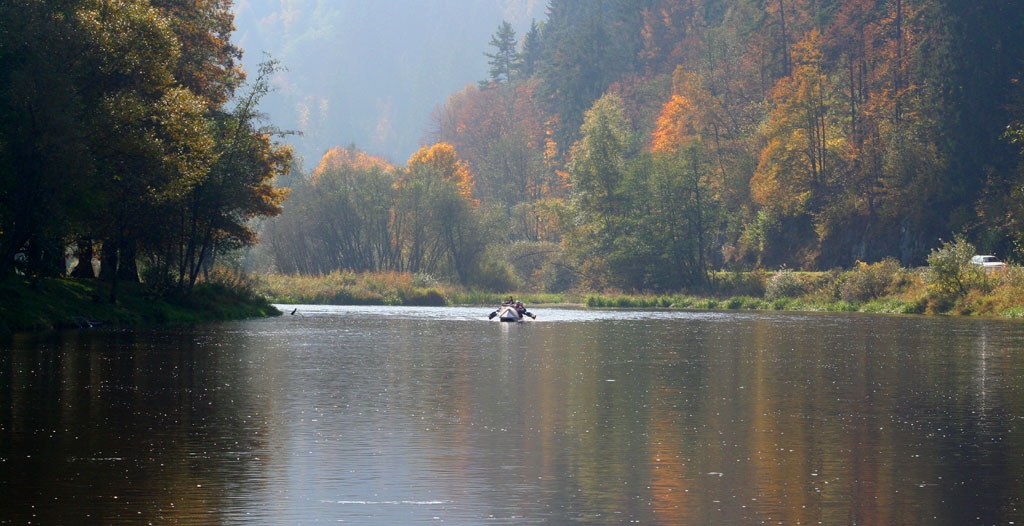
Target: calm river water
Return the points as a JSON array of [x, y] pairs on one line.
[[401, 415]]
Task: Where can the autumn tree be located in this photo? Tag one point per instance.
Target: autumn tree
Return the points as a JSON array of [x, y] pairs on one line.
[[207, 64], [238, 187], [684, 189], [434, 215], [502, 135], [441, 160], [149, 136], [337, 218], [800, 166], [216, 165]]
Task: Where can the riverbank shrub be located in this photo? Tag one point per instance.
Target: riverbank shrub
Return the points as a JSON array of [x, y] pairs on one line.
[[745, 303], [1001, 294], [735, 283], [784, 284], [950, 275], [871, 281]]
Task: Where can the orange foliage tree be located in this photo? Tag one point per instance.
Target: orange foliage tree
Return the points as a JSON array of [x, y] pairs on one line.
[[337, 158], [442, 160]]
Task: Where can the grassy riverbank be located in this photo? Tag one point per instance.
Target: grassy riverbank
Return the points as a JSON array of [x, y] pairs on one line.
[[383, 288], [882, 287], [877, 288], [64, 302]]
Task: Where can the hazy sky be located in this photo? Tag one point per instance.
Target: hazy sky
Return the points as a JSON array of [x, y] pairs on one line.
[[369, 72]]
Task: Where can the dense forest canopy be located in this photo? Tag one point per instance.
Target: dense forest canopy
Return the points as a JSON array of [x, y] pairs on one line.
[[636, 145], [127, 127], [640, 145]]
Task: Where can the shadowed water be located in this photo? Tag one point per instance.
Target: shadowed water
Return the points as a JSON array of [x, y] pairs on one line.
[[396, 415]]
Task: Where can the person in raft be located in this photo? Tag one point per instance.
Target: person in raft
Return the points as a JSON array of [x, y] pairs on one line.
[[521, 309]]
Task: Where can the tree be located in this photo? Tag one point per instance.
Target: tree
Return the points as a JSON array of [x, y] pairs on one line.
[[434, 213], [597, 170], [505, 57], [354, 196], [589, 45], [681, 187], [45, 166], [442, 160], [683, 217], [148, 135], [799, 170], [598, 162], [532, 52], [206, 65], [238, 187]]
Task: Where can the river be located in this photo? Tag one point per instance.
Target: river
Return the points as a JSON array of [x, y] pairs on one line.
[[394, 415]]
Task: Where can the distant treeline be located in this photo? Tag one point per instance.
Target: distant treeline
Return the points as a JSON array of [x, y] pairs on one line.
[[127, 130], [641, 145]]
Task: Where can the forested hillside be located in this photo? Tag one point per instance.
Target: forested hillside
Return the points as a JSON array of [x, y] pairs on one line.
[[641, 144]]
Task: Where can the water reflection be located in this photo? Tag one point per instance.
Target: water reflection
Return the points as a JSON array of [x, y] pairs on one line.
[[393, 415]]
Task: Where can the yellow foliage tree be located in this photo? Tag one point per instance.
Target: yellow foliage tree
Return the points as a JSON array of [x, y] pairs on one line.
[[798, 163], [674, 125], [338, 157], [442, 159], [690, 113]]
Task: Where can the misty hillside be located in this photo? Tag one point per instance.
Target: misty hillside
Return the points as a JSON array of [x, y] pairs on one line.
[[369, 73]]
